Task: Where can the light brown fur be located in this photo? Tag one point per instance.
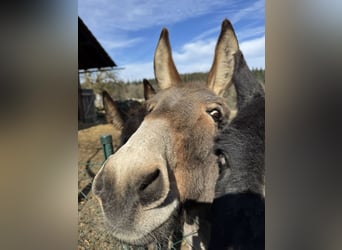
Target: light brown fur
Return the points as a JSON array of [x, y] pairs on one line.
[[169, 161]]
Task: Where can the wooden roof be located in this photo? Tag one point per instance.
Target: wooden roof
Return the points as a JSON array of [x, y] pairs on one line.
[[91, 54]]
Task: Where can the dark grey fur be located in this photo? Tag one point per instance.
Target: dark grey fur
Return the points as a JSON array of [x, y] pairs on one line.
[[239, 209]]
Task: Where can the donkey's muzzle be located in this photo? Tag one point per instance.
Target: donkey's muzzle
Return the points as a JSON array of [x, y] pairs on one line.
[[146, 188]]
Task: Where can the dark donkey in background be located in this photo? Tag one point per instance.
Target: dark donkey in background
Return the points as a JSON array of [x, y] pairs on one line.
[[159, 185], [127, 121], [239, 206]]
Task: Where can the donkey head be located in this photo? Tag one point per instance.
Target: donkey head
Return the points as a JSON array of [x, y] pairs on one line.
[[169, 160], [126, 121]]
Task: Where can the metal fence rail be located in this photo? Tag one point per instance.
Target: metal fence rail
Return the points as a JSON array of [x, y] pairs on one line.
[[107, 148]]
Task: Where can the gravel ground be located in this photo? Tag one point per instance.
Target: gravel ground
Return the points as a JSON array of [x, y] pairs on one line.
[[91, 228]]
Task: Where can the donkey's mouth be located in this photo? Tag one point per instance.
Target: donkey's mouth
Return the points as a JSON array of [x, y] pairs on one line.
[[152, 226]]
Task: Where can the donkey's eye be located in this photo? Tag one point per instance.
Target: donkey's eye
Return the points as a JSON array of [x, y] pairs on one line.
[[215, 114]]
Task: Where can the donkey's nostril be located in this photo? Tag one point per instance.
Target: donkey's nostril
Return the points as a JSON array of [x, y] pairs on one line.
[[149, 179], [151, 188]]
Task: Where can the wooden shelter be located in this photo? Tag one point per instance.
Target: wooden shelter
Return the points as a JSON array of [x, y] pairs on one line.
[[91, 57]]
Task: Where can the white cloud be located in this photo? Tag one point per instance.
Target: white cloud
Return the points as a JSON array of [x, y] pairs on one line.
[[249, 33], [250, 11], [208, 33], [121, 43], [254, 52], [136, 71], [198, 57], [136, 14], [195, 56]]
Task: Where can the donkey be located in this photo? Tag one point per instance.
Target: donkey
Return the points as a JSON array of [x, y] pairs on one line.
[[126, 121], [161, 182], [239, 206]]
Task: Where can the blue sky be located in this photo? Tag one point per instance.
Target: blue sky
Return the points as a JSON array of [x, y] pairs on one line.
[[129, 31]]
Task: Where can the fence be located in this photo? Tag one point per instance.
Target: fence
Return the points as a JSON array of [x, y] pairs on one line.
[[107, 147]]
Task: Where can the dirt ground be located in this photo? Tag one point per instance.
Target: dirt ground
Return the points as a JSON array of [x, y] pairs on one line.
[[91, 228]]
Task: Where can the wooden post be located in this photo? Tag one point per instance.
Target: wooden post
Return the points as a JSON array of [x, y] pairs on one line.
[[80, 105]]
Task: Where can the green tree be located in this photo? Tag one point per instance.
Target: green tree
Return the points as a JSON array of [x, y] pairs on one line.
[[99, 81]]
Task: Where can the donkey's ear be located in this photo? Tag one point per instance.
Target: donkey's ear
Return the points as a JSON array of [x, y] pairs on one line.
[[221, 72], [113, 114], [164, 68], [246, 85], [149, 91]]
